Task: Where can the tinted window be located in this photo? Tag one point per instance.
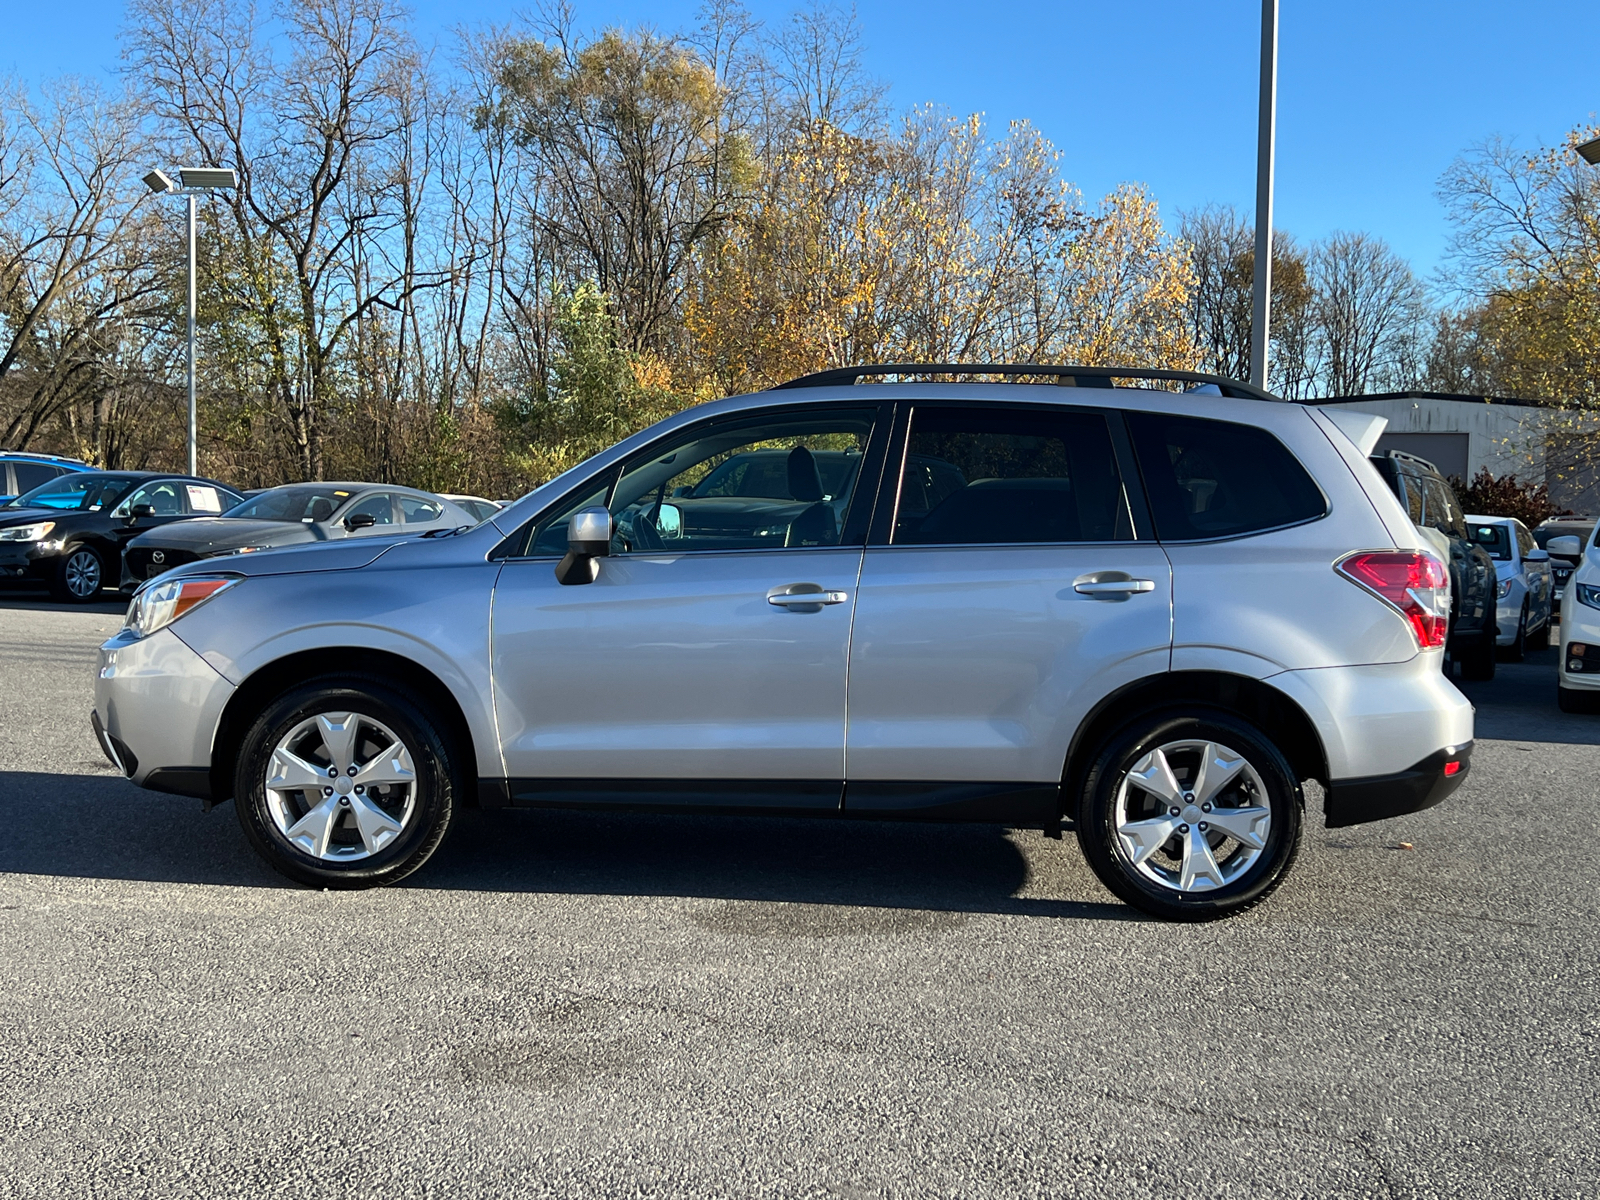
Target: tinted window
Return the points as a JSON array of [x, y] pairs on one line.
[[1441, 511], [31, 475], [1209, 479], [1496, 539], [1413, 497], [166, 496], [994, 475]]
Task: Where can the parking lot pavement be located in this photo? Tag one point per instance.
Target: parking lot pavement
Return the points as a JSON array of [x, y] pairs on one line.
[[575, 1005]]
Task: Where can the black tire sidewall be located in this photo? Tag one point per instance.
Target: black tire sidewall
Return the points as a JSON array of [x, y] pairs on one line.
[[1097, 808], [437, 782]]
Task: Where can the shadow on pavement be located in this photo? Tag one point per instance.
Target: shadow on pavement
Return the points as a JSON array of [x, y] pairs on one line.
[[40, 601], [101, 826], [1519, 705]]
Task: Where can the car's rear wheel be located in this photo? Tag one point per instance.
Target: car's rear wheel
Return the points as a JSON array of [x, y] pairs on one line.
[[345, 783], [1190, 816], [80, 574]]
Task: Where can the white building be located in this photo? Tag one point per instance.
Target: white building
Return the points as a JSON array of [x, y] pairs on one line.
[[1462, 435]]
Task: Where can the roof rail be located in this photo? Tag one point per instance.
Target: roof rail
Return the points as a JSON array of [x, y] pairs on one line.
[[1068, 376]]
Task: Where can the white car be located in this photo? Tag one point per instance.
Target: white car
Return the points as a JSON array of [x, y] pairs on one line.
[[1525, 597], [1578, 672], [1146, 613]]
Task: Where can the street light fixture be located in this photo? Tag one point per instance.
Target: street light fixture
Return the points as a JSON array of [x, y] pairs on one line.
[[194, 180], [1590, 152]]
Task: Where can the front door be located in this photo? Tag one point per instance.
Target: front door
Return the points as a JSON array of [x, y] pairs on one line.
[[1012, 596], [707, 663]]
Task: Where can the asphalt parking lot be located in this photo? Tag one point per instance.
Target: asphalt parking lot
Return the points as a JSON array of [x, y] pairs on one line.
[[576, 1005]]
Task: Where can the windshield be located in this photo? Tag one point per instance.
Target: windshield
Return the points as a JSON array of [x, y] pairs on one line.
[[87, 490], [765, 474], [305, 503], [1496, 539]]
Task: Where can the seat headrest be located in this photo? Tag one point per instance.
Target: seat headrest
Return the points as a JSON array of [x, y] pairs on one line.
[[805, 481]]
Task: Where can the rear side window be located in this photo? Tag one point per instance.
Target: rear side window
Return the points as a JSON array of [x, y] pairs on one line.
[[1212, 479], [1006, 476], [1443, 513], [1413, 497], [31, 475]]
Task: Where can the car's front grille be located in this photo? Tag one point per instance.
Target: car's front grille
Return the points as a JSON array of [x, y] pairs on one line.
[[145, 562]]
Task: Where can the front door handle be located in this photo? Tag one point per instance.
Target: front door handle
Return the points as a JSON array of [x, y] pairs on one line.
[[1113, 585], [804, 597]]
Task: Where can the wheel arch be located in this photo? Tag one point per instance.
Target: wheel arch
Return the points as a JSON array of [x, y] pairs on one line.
[[1275, 713], [278, 676]]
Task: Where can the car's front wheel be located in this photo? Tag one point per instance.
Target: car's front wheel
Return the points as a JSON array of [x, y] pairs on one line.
[[1190, 816], [80, 574], [345, 783]]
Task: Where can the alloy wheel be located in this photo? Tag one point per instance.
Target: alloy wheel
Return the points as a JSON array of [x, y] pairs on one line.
[[1192, 816], [341, 786], [81, 574]]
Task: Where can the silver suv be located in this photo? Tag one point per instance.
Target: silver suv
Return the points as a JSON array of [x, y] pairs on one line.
[[1146, 613]]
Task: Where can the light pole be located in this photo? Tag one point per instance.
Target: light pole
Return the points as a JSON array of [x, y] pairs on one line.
[[1261, 289], [194, 181]]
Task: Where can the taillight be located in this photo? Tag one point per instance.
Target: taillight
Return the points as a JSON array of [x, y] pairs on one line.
[[1415, 583]]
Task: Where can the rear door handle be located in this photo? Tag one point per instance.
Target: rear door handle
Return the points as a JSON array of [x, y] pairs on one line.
[[804, 597], [1098, 585]]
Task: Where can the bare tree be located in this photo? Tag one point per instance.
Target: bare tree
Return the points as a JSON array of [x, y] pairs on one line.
[[1369, 312]]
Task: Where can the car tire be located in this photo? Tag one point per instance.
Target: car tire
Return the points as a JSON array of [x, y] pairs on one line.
[[1120, 815], [1571, 700], [1518, 649], [329, 735], [1477, 663], [79, 576]]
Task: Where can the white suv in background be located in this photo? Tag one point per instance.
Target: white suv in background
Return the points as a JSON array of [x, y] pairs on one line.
[[1148, 613], [1578, 672]]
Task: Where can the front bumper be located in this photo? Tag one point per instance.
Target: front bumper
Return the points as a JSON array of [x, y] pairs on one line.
[[157, 705], [1379, 797], [27, 560]]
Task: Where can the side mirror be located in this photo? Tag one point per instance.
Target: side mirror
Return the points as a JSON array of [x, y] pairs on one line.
[[139, 511], [357, 521], [683, 489], [1536, 555], [589, 533], [669, 521], [1566, 546]]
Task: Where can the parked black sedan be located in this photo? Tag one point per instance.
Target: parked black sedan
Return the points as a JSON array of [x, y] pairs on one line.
[[69, 533], [292, 514]]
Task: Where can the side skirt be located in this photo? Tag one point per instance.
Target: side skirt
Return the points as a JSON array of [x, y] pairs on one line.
[[1004, 803]]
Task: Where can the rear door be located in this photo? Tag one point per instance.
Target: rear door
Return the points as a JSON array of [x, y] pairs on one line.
[[1003, 595]]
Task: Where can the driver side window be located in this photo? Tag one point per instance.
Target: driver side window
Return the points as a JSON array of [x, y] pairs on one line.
[[779, 481]]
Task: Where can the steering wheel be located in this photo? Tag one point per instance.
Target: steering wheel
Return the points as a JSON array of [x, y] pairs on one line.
[[646, 537]]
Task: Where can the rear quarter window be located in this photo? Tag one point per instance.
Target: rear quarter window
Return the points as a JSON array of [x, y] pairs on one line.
[[1215, 479]]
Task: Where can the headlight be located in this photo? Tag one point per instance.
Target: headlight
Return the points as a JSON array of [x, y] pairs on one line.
[[36, 532], [158, 604], [1505, 587], [1589, 594]]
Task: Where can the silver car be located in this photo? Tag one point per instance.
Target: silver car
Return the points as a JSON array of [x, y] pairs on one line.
[[1149, 614], [1524, 584]]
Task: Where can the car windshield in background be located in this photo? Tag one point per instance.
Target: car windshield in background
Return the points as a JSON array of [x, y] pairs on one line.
[[1496, 539], [90, 492], [304, 504], [765, 475]]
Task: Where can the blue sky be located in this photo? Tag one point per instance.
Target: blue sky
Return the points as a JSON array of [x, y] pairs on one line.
[[1375, 98]]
